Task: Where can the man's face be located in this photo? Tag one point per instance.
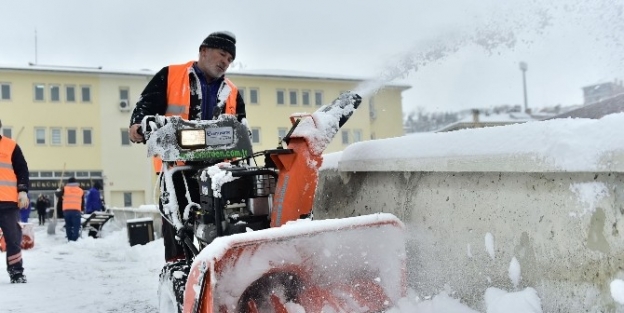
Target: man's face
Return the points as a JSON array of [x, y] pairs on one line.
[[214, 62]]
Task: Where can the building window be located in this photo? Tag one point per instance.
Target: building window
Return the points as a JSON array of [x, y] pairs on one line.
[[55, 93], [86, 136], [46, 174], [372, 112], [253, 96], [7, 132], [305, 97], [82, 174], [292, 96], [71, 137], [357, 135], [124, 93], [318, 98], [33, 174], [39, 92], [40, 136], [255, 135], [5, 91], [280, 97], [345, 137], [70, 93], [55, 136], [127, 199], [86, 93], [281, 132], [125, 138], [241, 92], [95, 174]]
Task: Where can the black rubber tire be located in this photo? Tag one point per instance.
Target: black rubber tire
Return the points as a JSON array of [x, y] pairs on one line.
[[172, 282]]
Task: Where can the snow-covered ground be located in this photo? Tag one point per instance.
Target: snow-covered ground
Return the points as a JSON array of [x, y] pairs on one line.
[[107, 275]]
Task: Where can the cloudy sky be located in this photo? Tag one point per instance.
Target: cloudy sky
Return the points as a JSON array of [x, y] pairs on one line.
[[456, 54]]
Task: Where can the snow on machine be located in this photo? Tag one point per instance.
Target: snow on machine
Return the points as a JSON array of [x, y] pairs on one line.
[[250, 242]]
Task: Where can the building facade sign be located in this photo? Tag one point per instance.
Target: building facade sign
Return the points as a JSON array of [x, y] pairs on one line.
[[53, 184]]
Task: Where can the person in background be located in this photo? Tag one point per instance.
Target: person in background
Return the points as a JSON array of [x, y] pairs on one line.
[[71, 199], [13, 196], [196, 90], [42, 205], [94, 200]]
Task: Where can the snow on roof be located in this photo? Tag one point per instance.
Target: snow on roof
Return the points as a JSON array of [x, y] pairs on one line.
[[307, 75], [76, 69]]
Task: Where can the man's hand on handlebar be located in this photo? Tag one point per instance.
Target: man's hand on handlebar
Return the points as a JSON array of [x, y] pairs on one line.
[[135, 133]]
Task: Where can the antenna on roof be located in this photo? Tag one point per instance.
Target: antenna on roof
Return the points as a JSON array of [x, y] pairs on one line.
[[35, 45]]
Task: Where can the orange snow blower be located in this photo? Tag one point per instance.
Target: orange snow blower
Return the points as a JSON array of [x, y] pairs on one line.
[[249, 239]]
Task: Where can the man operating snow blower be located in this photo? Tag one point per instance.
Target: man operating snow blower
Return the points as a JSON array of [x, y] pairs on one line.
[[196, 90]]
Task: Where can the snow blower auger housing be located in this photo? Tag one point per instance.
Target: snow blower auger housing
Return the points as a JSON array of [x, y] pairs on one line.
[[249, 241]]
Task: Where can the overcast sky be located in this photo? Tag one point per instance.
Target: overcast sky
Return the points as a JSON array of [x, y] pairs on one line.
[[456, 54]]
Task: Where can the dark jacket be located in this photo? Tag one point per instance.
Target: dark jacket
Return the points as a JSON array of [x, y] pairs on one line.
[[20, 167], [42, 204], [154, 98], [94, 202]]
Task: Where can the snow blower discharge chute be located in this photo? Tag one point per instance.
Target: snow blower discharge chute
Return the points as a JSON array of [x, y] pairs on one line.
[[249, 239]]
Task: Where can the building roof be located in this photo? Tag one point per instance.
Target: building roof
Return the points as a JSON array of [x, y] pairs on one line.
[[596, 110], [275, 73], [75, 69], [233, 72]]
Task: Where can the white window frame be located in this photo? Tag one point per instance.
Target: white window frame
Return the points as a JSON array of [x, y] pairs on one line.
[[43, 89], [281, 130], [37, 130], [303, 97], [2, 85], [242, 91], [316, 98], [82, 87], [67, 130], [60, 136], [357, 135], [90, 130], [59, 92], [253, 137], [67, 93], [124, 88], [257, 92], [344, 135], [294, 92], [277, 93]]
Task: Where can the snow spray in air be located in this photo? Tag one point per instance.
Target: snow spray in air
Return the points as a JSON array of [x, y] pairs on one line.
[[512, 25]]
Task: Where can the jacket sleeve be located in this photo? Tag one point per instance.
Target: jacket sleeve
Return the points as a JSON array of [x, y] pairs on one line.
[[153, 99], [20, 167], [240, 107]]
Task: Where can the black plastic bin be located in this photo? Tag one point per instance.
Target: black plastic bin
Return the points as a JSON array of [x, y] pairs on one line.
[[140, 231]]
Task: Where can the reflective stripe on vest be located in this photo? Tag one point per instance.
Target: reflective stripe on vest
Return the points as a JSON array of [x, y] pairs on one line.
[[8, 179], [72, 197], [179, 97]]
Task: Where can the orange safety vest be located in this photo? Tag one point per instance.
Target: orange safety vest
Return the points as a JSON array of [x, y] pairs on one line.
[[8, 180], [72, 197], [179, 97]]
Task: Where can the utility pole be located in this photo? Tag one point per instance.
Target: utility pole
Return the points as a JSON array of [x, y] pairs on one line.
[[523, 68]]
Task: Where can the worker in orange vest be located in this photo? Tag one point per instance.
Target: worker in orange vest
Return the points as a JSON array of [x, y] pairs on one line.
[[196, 90], [13, 196], [72, 202]]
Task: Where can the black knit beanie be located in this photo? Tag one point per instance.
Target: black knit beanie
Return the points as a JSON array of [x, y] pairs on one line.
[[221, 40]]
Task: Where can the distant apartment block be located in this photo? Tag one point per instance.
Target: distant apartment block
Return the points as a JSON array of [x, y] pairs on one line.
[[599, 92]]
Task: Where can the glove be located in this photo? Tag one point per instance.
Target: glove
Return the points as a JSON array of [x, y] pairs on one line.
[[22, 200]]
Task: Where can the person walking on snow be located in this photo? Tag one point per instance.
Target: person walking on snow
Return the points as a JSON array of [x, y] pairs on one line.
[[13, 197], [42, 205], [72, 202], [196, 90]]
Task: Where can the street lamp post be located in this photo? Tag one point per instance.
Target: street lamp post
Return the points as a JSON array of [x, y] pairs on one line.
[[523, 68]]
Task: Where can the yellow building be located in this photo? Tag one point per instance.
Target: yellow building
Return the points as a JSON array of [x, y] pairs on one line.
[[73, 121]]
